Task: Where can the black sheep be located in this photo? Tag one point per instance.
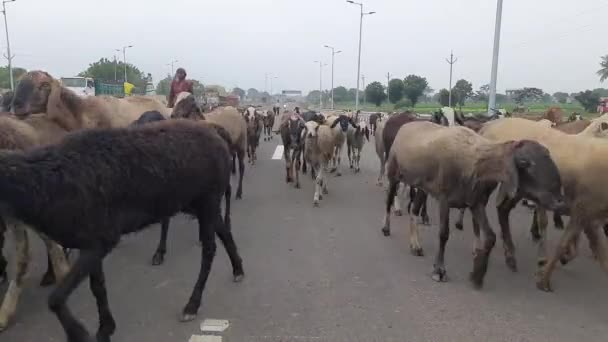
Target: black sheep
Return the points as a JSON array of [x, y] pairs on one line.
[[96, 185]]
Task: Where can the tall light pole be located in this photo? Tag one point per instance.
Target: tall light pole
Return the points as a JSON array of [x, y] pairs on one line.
[[8, 45], [359, 58], [451, 62], [266, 81], [492, 100], [124, 58], [115, 67], [333, 53], [172, 65], [320, 84], [272, 78]]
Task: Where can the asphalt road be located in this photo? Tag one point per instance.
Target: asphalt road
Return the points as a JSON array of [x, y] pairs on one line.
[[327, 274]]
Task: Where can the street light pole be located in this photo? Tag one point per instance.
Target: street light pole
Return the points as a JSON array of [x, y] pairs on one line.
[[359, 58], [272, 78], [333, 53], [172, 62], [8, 45], [320, 84], [451, 62], [124, 58], [492, 100]]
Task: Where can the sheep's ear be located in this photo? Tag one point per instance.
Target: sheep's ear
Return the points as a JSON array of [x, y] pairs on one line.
[[335, 123]]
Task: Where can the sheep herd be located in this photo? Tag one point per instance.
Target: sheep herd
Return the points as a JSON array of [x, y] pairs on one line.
[[83, 171]]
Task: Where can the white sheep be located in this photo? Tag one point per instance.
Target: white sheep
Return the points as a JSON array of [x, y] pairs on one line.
[[339, 127], [355, 139], [318, 151]]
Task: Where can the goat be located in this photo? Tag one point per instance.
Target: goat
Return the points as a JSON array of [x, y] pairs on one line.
[[291, 136], [254, 131], [180, 166]]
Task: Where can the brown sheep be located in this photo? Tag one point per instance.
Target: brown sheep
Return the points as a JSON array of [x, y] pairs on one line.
[[39, 92], [583, 172], [461, 169], [227, 117]]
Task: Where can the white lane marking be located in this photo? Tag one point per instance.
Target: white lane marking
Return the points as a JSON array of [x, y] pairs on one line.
[[205, 338], [214, 325], [278, 152]]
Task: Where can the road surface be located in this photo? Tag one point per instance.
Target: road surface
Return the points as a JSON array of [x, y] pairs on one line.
[[327, 274]]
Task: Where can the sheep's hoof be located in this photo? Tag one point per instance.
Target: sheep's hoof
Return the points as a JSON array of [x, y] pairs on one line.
[[48, 279], [564, 260], [237, 278], [511, 263], [439, 275], [338, 174], [352, 167], [559, 226], [158, 259], [416, 251], [325, 192], [297, 186], [315, 204], [544, 285], [320, 197], [386, 231], [459, 226], [187, 317], [426, 221], [398, 212], [239, 194], [333, 169], [476, 279]]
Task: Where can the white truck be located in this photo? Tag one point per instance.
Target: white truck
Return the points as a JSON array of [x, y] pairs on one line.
[[82, 86]]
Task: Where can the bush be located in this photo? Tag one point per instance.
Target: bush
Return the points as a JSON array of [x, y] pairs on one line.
[[405, 103]]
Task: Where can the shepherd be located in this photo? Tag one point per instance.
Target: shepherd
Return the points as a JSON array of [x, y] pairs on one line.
[[178, 85]]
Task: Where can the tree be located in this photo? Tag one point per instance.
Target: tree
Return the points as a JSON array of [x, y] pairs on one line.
[[482, 94], [603, 72], [414, 87], [395, 90], [164, 86], [561, 97], [352, 93], [238, 92], [374, 92], [443, 97], [589, 100], [340, 94], [107, 70], [313, 96], [252, 93], [5, 80], [462, 90], [526, 94], [602, 92]]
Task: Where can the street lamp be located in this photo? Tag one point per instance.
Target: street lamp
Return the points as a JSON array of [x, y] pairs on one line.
[[8, 45], [359, 59], [124, 58], [333, 53], [116, 65], [272, 78], [320, 84], [493, 76], [171, 64]]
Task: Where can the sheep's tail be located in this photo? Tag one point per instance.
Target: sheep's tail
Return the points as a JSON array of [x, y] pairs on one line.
[[227, 196]]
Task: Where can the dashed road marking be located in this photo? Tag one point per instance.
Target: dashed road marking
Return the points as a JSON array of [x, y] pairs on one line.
[[278, 152], [205, 338], [214, 325]]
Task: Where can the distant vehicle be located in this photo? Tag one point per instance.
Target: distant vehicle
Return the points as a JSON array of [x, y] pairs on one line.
[[82, 86]]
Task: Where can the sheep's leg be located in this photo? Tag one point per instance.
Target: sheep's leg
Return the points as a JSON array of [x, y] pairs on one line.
[[3, 262], [234, 163], [159, 256], [11, 298], [597, 243], [540, 220], [239, 190], [57, 263], [97, 284], [338, 161], [381, 175], [318, 186], [419, 202], [477, 245], [349, 150], [295, 161], [459, 221], [557, 221], [543, 281], [504, 209], [397, 201], [86, 263], [480, 261], [391, 195], [208, 214], [534, 230], [287, 158], [439, 272], [225, 235]]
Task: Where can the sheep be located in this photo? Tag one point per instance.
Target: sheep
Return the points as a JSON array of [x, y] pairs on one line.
[[268, 124], [254, 131], [582, 169], [318, 151], [15, 134], [84, 197], [228, 118], [355, 139], [380, 152], [39, 92], [461, 169], [291, 136], [339, 125], [374, 120]]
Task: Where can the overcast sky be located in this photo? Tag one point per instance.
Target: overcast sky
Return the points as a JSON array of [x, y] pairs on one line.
[[551, 44]]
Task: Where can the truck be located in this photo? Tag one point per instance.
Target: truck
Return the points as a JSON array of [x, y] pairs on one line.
[[87, 86]]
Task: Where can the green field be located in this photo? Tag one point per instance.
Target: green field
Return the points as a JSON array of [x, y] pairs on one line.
[[472, 107]]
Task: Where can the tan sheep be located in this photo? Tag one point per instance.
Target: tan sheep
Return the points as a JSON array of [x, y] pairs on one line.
[[583, 170], [461, 169], [15, 134], [339, 125], [227, 117], [39, 92], [318, 151]]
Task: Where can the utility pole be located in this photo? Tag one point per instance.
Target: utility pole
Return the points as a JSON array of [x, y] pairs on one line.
[[115, 68], [8, 55], [492, 99], [320, 84], [124, 58], [451, 62], [172, 66], [359, 58], [333, 54], [388, 81], [364, 95]]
